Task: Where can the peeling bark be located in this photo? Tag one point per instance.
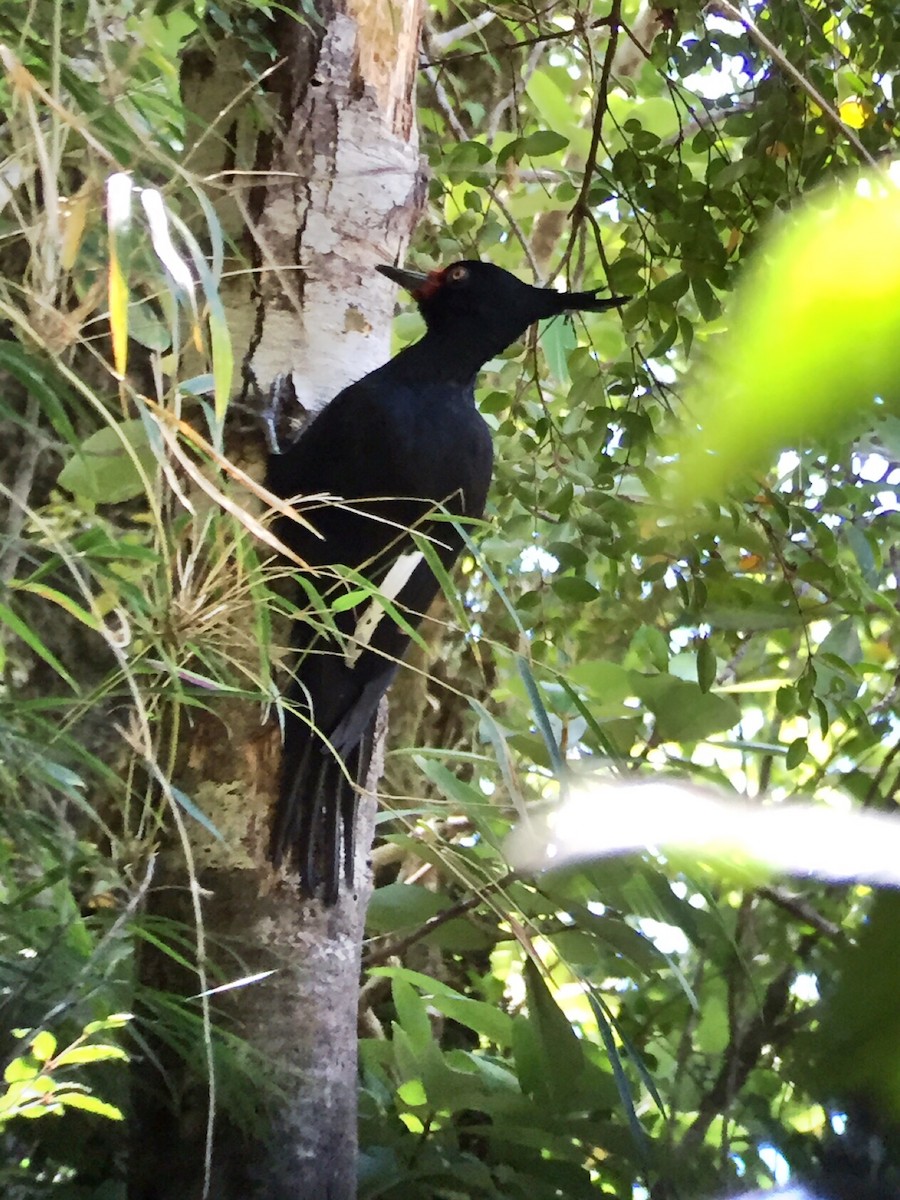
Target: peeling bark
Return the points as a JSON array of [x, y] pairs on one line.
[[345, 193], [342, 193]]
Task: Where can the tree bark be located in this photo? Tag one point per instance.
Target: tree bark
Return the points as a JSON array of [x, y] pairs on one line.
[[342, 189]]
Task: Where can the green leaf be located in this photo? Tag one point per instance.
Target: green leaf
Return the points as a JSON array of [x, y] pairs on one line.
[[41, 380], [684, 713], [107, 468], [560, 1047], [608, 682], [671, 289], [862, 551], [758, 617], [43, 1046], [731, 173], [541, 717], [351, 599], [842, 640], [197, 385], [185, 802], [412, 1093], [90, 1104], [604, 1025], [145, 327], [707, 301], [402, 906], [115, 1021], [9, 618], [89, 1054], [513, 149], [796, 753], [706, 666], [411, 1015], [222, 353], [555, 107], [574, 589], [18, 1070], [713, 1031], [469, 798], [486, 1019], [544, 141], [649, 647], [558, 341], [62, 600], [530, 1062]]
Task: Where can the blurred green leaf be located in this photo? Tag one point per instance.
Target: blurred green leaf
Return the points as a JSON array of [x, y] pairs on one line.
[[563, 1058], [790, 368], [108, 466], [543, 142], [399, 906]]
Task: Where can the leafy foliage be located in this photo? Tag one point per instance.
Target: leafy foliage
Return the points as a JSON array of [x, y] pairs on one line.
[[33, 1088], [679, 580], [114, 584]]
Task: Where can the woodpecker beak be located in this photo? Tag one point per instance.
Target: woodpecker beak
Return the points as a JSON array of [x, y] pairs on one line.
[[413, 281]]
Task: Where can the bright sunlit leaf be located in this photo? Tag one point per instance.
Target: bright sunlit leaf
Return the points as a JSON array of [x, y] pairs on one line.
[[43, 1045], [855, 112], [603, 818], [813, 339], [118, 218]]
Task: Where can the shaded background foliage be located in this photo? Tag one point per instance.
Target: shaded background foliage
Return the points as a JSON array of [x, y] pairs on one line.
[[748, 640]]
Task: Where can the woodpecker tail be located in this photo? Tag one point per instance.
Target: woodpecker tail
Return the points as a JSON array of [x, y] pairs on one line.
[[315, 817]]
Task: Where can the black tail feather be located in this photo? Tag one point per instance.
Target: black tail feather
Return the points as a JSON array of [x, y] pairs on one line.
[[315, 817]]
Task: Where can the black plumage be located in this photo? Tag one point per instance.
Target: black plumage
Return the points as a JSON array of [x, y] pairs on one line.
[[400, 445]]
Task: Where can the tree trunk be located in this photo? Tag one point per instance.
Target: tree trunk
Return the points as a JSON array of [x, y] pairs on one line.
[[341, 192]]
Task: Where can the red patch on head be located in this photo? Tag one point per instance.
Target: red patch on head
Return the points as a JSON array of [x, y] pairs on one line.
[[432, 284]]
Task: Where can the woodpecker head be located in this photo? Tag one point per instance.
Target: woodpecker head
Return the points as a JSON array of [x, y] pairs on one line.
[[486, 308]]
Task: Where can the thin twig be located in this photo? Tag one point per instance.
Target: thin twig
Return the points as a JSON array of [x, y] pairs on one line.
[[447, 37], [802, 910], [580, 207], [507, 47]]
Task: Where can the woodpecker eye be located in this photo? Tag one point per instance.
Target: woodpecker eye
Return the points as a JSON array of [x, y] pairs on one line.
[[457, 274]]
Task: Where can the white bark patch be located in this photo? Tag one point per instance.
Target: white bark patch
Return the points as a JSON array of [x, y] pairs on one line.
[[394, 582], [355, 208]]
